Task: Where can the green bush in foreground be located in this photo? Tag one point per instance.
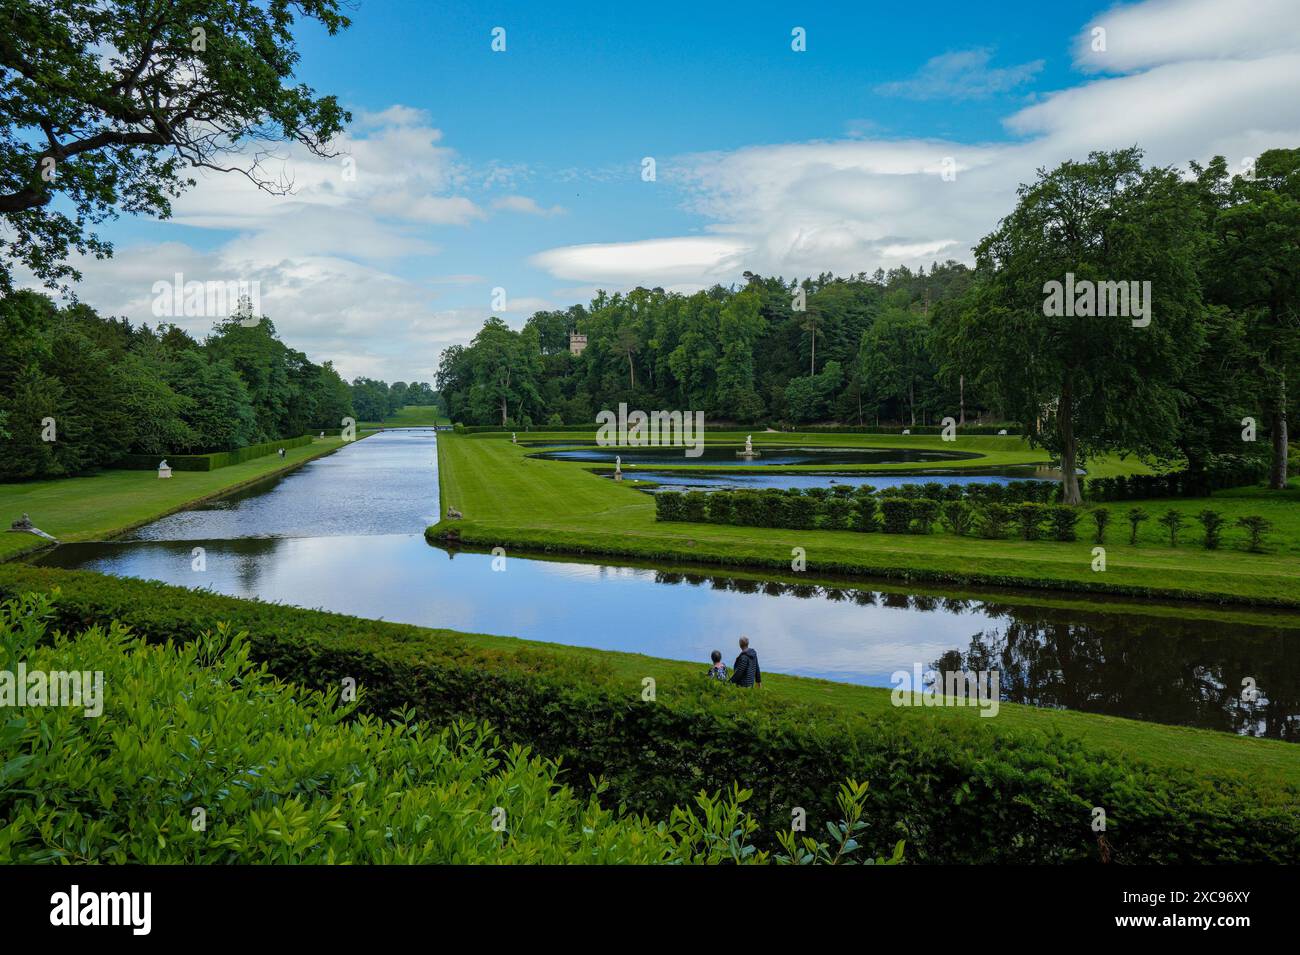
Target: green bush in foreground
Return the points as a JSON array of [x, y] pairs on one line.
[[238, 767]]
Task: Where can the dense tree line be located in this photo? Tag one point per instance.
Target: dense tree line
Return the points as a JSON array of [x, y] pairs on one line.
[[376, 400], [79, 391], [1202, 377], [851, 349]]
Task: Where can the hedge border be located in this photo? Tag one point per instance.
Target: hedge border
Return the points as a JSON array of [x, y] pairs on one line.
[[959, 791]]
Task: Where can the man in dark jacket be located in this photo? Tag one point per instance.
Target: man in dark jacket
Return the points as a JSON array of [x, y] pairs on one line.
[[745, 672]]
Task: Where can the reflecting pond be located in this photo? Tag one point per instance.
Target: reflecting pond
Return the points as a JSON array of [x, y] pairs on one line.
[[769, 456], [730, 480]]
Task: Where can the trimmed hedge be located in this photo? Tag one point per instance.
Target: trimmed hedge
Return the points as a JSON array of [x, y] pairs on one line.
[[913, 508], [960, 790], [213, 461]]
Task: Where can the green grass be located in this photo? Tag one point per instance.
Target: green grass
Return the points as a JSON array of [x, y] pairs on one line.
[[412, 416], [509, 498], [549, 506], [112, 502]]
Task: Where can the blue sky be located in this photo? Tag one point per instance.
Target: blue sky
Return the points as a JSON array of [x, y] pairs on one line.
[[522, 169]]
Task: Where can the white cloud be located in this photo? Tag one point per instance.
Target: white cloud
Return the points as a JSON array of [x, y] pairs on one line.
[[854, 205], [1172, 31], [527, 206], [961, 75], [657, 260]]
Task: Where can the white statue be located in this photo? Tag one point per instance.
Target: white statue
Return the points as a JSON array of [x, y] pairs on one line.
[[513, 440], [618, 467], [163, 465], [749, 444]]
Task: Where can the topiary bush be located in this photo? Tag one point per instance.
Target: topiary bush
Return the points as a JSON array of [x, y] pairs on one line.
[[1029, 519], [958, 517], [896, 514], [1063, 521]]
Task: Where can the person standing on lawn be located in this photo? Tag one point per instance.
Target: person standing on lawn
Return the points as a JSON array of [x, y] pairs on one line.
[[746, 672]]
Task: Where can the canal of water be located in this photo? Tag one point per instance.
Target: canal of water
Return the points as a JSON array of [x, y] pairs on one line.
[[344, 533]]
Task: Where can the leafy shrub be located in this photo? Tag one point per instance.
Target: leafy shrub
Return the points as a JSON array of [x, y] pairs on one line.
[[1101, 519], [1212, 522], [749, 509], [1063, 521], [668, 506], [958, 517], [865, 516], [722, 507], [799, 511], [924, 512], [896, 514], [838, 513], [992, 520], [1256, 527], [695, 506], [1029, 518], [1171, 521], [1136, 516]]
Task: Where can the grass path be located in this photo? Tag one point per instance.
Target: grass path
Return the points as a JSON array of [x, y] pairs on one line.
[[112, 502], [510, 498]]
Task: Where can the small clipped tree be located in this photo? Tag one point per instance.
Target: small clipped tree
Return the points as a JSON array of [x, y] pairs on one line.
[[1136, 516], [1029, 518], [992, 520], [897, 514], [1101, 519], [865, 518], [1256, 527], [1063, 521], [924, 512], [1171, 521], [958, 517], [1212, 521]]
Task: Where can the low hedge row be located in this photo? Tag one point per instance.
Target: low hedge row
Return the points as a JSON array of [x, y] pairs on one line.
[[213, 461], [959, 789], [860, 509], [1145, 487]]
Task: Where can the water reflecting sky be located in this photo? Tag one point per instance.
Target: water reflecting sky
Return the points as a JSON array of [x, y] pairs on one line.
[[344, 533]]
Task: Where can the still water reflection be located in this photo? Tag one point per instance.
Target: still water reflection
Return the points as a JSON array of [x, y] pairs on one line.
[[325, 537]]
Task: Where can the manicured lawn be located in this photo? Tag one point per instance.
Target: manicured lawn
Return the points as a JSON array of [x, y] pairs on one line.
[[509, 498], [104, 504], [412, 416]]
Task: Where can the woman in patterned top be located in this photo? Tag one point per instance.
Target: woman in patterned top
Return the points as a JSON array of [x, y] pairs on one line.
[[719, 669]]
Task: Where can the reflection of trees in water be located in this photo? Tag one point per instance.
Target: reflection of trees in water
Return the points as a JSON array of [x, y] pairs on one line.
[[1160, 669], [1163, 670]]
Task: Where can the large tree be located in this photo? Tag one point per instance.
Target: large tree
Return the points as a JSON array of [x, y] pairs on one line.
[[1087, 383], [109, 103], [1257, 270]]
